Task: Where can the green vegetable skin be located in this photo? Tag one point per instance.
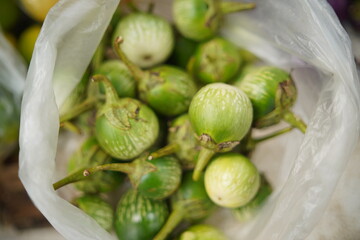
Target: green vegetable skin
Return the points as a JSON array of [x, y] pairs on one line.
[[90, 155], [217, 60], [162, 182], [248, 211], [139, 218], [167, 89], [98, 209], [221, 115], [260, 86], [202, 232], [200, 19], [124, 127], [149, 38], [182, 134], [231, 180], [119, 76]]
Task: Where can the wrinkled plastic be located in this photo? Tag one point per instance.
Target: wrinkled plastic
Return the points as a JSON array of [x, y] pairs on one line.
[[304, 37]]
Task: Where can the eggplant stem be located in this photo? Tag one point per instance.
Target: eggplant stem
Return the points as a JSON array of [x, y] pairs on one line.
[[294, 120], [83, 173], [274, 134], [78, 109], [110, 92], [173, 220], [230, 7], [71, 127], [135, 70], [203, 159], [167, 150]]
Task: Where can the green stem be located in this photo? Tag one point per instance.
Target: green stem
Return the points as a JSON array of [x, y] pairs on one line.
[[78, 109], [294, 121], [70, 126], [110, 92], [132, 6], [99, 54], [83, 173], [230, 7], [174, 219], [167, 150], [135, 70], [274, 134], [203, 159], [151, 7]]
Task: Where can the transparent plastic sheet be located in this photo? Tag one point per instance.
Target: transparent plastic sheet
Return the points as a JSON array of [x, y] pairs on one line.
[[302, 36], [12, 68]]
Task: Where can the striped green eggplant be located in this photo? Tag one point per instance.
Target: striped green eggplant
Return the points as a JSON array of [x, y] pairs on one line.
[[167, 89], [272, 93], [97, 208], [124, 127], [138, 217], [201, 19], [220, 115]]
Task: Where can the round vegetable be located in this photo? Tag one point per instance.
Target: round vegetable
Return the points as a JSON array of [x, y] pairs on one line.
[[200, 19], [139, 218], [124, 127], [119, 76], [190, 203], [272, 93], [202, 232], [182, 142], [248, 211], [98, 209], [221, 115], [149, 38], [90, 155], [231, 180], [217, 60], [168, 90]]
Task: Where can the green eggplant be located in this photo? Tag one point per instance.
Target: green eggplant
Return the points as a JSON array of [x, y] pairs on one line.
[[167, 89], [149, 38], [216, 60], [138, 217], [202, 232], [124, 127], [220, 115], [201, 19], [231, 180], [272, 93], [248, 211], [119, 76], [98, 209]]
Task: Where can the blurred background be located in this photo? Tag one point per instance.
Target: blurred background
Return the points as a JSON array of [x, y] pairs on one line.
[[21, 22]]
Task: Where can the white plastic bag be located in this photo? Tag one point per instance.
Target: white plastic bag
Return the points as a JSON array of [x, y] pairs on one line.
[[302, 36]]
